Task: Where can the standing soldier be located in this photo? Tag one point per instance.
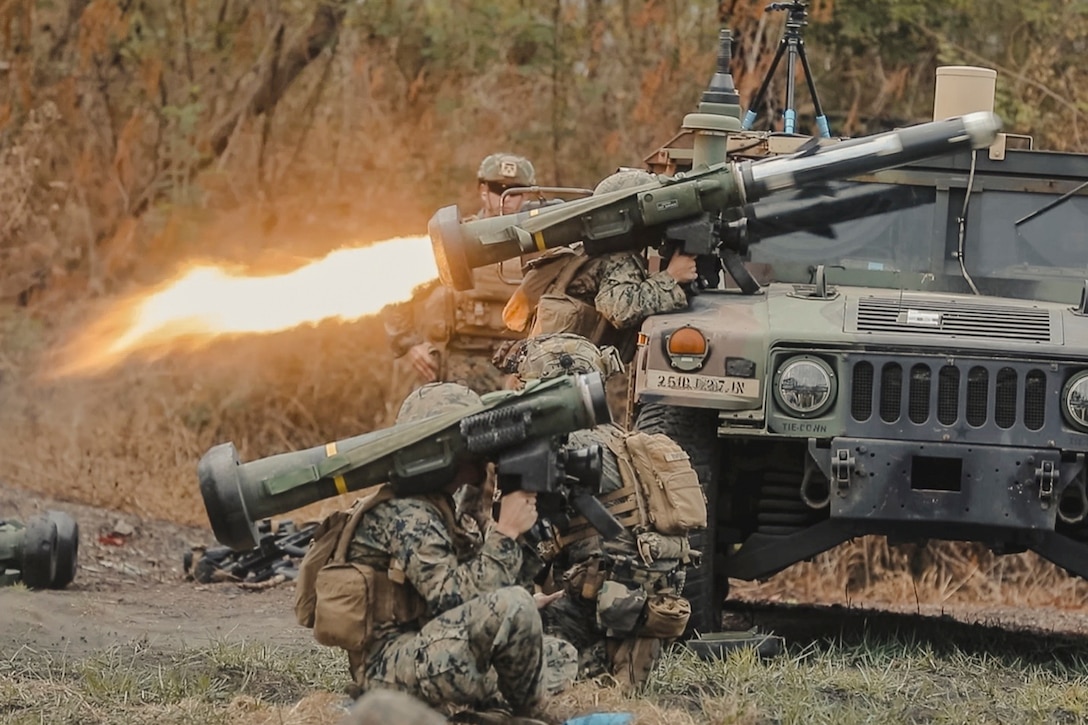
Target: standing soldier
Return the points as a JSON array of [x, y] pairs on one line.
[[442, 335]]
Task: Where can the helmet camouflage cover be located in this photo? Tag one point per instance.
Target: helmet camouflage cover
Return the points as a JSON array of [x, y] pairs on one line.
[[623, 179], [561, 353], [434, 399], [507, 169]]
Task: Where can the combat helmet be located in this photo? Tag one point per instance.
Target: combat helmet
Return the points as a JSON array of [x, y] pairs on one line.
[[561, 353], [623, 179], [507, 169], [435, 399]]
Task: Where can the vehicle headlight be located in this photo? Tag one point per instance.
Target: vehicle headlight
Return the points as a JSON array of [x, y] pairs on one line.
[[805, 386], [1075, 400]]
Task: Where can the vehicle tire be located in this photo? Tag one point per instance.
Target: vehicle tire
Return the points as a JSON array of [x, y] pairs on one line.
[[696, 431], [67, 549], [39, 552]]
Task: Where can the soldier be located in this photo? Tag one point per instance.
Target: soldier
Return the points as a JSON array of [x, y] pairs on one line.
[[469, 631], [617, 591], [604, 298], [445, 335]]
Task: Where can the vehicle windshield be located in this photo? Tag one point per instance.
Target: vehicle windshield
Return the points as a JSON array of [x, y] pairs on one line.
[[907, 237]]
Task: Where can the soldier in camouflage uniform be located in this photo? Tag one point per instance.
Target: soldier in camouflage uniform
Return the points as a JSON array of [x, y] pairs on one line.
[[480, 641], [446, 335], [617, 285], [640, 561]]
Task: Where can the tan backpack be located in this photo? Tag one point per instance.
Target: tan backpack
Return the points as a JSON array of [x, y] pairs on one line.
[[343, 600], [540, 302], [659, 469]]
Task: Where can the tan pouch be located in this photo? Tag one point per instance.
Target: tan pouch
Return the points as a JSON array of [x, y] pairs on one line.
[[322, 546], [675, 502], [633, 659], [666, 616], [330, 542], [345, 602], [563, 313]]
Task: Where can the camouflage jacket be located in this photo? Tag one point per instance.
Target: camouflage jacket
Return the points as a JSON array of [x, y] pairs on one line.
[[624, 292], [446, 567]]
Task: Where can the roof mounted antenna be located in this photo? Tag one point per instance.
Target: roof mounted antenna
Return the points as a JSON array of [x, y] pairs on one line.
[[793, 45], [718, 114]]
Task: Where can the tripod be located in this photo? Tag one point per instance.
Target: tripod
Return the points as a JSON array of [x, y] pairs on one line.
[[794, 46]]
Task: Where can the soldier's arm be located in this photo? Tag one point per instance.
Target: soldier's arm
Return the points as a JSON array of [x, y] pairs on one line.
[[627, 295], [400, 328], [422, 542]]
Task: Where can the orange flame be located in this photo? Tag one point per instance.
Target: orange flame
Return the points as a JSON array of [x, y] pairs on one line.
[[208, 301]]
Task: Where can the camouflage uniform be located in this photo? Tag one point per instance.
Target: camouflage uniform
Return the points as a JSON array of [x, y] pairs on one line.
[[623, 291], [619, 285], [576, 617], [466, 327], [480, 641]]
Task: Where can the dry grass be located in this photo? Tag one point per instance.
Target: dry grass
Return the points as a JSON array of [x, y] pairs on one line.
[[871, 570], [873, 680]]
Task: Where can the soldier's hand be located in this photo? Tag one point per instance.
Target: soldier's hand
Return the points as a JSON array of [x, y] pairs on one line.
[[682, 268], [517, 513], [424, 358], [542, 600]]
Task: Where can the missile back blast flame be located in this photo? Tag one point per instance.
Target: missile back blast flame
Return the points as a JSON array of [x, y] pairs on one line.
[[633, 218]]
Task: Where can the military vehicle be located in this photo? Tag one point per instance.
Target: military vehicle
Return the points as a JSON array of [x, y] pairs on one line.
[[42, 553], [900, 349], [904, 354]]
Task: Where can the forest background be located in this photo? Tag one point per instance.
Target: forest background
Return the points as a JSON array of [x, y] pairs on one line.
[[139, 136]]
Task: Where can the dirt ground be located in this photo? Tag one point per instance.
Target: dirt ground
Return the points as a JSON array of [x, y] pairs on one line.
[[131, 587]]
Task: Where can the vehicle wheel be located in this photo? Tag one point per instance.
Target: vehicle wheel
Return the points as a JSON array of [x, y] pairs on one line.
[[696, 431], [39, 552], [67, 549]]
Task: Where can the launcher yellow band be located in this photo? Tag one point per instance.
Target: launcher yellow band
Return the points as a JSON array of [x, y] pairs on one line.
[[339, 482]]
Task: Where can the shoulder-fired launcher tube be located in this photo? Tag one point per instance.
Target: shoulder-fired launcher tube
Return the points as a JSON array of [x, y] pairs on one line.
[[632, 218], [415, 457]]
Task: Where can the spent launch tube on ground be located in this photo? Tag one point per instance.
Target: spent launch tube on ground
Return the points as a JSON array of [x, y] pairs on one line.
[[415, 457], [632, 218]]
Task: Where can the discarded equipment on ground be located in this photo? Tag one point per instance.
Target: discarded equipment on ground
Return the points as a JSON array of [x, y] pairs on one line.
[[42, 553], [277, 554]]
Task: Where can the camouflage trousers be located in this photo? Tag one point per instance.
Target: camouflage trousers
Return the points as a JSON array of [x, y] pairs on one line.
[[629, 659], [488, 652]]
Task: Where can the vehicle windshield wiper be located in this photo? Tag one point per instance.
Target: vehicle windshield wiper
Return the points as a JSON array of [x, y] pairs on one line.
[[1050, 205]]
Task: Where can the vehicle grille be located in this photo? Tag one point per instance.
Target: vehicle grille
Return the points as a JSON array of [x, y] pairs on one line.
[[980, 393], [954, 319]]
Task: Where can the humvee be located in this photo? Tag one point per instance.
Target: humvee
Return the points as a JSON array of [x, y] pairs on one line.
[[909, 358]]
